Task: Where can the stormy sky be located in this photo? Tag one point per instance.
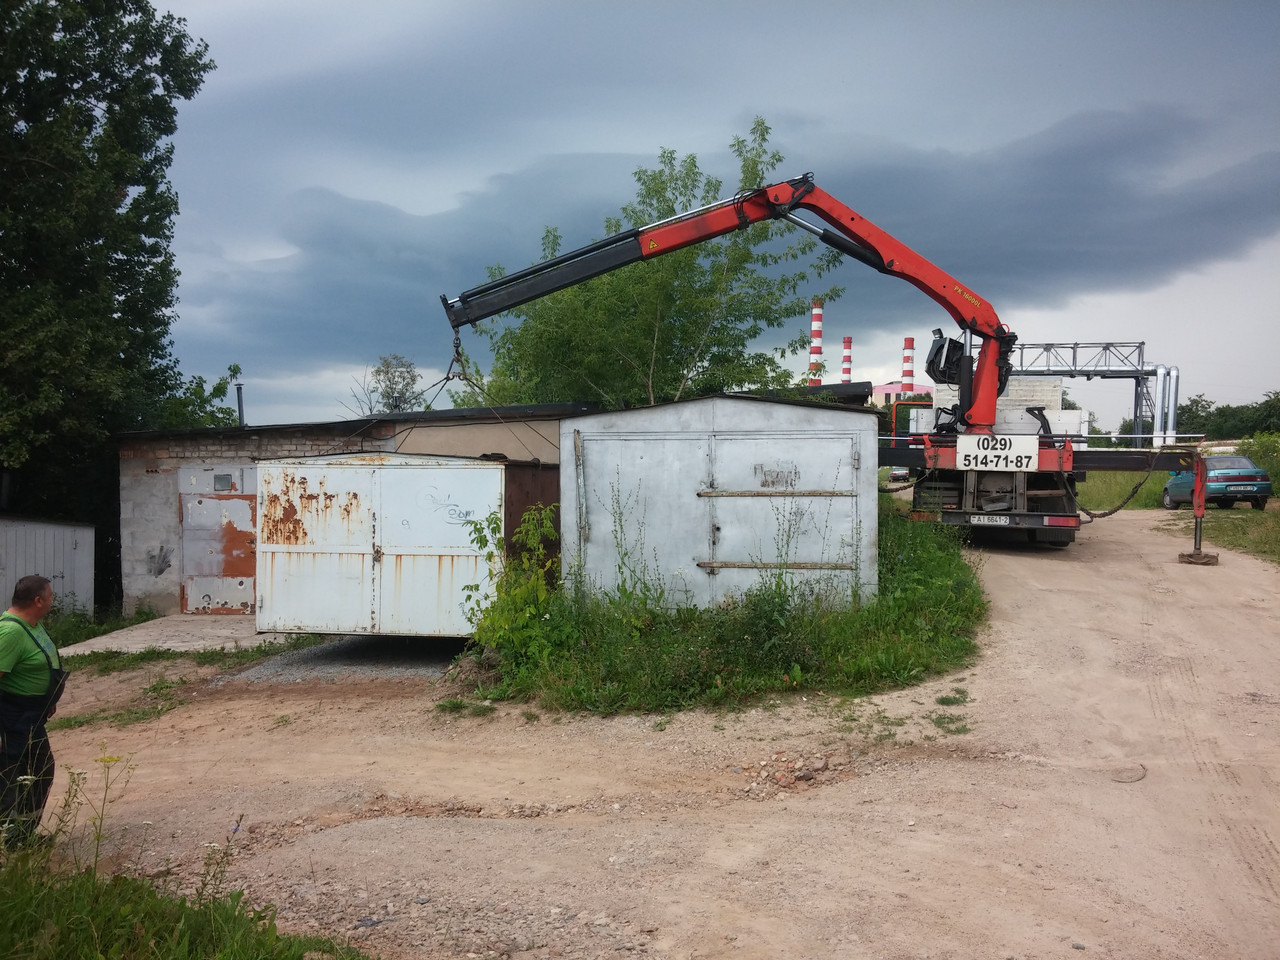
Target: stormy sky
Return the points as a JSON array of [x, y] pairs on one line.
[[1097, 171]]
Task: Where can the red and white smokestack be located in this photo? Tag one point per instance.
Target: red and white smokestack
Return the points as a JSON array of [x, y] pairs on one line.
[[909, 365], [815, 344], [846, 362]]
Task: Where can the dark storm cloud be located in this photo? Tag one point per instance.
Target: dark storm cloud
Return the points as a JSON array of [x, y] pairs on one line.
[[1096, 203], [366, 278]]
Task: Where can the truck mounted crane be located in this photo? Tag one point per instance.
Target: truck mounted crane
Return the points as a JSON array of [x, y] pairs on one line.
[[970, 475]]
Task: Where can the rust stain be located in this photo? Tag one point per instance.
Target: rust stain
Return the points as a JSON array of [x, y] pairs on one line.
[[350, 506], [281, 523], [294, 515], [239, 551]]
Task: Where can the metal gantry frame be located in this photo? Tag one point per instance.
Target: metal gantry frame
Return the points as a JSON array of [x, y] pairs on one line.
[[1110, 361]]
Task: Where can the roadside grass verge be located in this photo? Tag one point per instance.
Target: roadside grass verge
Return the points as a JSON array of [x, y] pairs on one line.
[[114, 661], [157, 698], [57, 904], [164, 693], [628, 650], [1103, 489], [1255, 532]]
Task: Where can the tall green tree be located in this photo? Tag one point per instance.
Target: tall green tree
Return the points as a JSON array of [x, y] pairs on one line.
[[681, 325], [88, 101], [88, 93], [1195, 415], [1229, 422]]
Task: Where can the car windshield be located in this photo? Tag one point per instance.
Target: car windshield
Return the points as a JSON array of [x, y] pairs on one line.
[[1229, 463]]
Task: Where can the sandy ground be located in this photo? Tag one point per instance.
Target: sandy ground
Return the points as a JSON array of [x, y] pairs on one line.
[[1110, 786]]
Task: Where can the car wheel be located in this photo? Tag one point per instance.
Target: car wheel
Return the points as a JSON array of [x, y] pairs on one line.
[[1167, 501], [1258, 503], [1226, 504]]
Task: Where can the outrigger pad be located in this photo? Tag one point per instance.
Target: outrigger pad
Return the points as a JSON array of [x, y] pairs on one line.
[[1199, 558]]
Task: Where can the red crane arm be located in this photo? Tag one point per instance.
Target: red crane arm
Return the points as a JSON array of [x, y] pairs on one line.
[[889, 254], [850, 233]]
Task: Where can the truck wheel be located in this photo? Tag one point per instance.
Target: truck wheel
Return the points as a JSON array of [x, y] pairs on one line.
[[1167, 501], [1258, 503]]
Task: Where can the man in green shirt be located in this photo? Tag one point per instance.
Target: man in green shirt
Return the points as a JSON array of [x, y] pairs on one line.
[[31, 680]]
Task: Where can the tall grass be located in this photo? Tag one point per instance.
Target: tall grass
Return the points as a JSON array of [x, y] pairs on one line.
[[1105, 489], [114, 661], [1249, 531], [1253, 532], [68, 624], [56, 904], [628, 649]]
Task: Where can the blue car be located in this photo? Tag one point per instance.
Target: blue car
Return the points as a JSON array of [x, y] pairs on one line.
[[1231, 479]]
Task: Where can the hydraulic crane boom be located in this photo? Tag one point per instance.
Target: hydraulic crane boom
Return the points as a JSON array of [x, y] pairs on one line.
[[847, 231]]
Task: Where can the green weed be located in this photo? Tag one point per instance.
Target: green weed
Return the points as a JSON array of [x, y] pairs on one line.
[[631, 649], [952, 723], [1249, 531], [56, 904], [156, 699], [67, 623], [957, 696], [115, 661]]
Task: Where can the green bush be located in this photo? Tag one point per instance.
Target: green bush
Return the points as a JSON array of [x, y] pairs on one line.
[[1264, 450], [627, 648]]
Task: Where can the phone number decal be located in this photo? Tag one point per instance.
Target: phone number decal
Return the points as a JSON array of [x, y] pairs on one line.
[[995, 461], [992, 451]]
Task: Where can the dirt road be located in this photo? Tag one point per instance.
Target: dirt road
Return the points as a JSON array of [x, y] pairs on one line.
[[1107, 785]]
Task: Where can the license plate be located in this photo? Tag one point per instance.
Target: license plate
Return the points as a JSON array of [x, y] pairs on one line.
[[989, 519], [1241, 488], [1003, 452]]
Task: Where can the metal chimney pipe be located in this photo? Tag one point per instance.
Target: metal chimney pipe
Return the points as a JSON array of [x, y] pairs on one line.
[[815, 344], [1171, 420], [908, 365], [240, 402], [846, 361], [1158, 403]]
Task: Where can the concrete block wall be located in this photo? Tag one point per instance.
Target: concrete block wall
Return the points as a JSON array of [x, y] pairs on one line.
[[1021, 393], [150, 533], [150, 503]]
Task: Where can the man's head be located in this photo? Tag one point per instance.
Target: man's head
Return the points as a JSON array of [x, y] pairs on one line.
[[31, 590]]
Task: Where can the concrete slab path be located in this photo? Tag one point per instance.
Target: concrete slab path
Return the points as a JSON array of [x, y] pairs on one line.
[[180, 632]]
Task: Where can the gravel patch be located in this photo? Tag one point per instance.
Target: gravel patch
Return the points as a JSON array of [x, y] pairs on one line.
[[368, 657]]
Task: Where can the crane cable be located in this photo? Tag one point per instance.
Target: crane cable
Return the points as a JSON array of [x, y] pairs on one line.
[[462, 375]]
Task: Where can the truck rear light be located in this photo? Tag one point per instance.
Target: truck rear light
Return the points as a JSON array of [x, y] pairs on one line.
[[1062, 521]]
